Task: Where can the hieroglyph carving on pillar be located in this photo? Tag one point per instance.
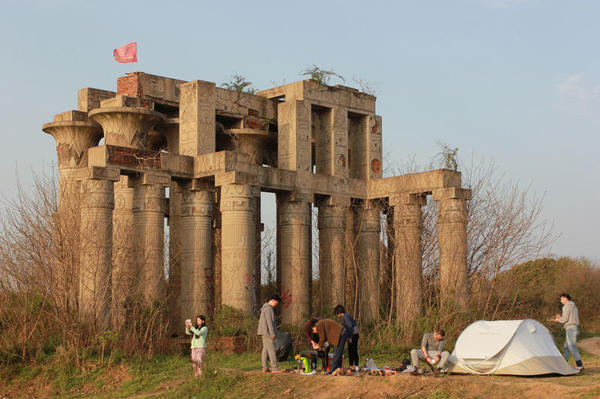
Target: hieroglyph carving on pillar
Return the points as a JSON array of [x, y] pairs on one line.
[[196, 253], [294, 227], [95, 254], [452, 236], [408, 222], [149, 211], [237, 245], [332, 240]]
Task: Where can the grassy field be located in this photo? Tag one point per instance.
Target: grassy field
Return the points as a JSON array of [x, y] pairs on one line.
[[238, 376]]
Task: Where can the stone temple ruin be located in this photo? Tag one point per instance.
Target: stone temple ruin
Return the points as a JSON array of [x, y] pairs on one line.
[[200, 156]]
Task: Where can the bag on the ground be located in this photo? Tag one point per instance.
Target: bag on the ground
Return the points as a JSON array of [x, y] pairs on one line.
[[283, 345]]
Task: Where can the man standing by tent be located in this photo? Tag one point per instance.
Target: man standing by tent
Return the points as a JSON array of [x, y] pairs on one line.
[[570, 320], [432, 345], [268, 331]]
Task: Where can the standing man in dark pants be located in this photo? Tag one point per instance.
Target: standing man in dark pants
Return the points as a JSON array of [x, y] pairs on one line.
[[351, 330]]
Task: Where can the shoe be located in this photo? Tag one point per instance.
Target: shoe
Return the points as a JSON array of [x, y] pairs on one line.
[[580, 368], [266, 371], [276, 371], [444, 370]]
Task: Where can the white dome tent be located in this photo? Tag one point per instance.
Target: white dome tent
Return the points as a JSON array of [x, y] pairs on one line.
[[509, 347]]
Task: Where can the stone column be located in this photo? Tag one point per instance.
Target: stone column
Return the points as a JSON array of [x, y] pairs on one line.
[[296, 260], [96, 252], [332, 247], [408, 225], [452, 244], [367, 228], [351, 299], [217, 251], [124, 255], [175, 238], [149, 217], [237, 245], [74, 134], [196, 254]]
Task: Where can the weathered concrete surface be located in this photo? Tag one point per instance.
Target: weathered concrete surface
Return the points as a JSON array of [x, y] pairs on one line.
[[196, 253], [237, 246], [306, 142], [294, 218]]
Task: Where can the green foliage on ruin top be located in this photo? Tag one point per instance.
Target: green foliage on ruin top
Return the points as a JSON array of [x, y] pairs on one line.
[[240, 84]]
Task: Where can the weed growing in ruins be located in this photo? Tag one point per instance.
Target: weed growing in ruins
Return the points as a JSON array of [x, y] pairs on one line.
[[240, 84]]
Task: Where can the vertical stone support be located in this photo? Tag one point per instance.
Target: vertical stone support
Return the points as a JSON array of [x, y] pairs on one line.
[[96, 252], [238, 245], [124, 255], [74, 134], [340, 137], [197, 102], [452, 244], [149, 217], [351, 261], [196, 255], [294, 146], [258, 252], [296, 260], [175, 248], [332, 247], [322, 135], [367, 230], [375, 155], [408, 225], [217, 264]]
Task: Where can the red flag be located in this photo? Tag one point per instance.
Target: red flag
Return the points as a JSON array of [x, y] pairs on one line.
[[126, 53]]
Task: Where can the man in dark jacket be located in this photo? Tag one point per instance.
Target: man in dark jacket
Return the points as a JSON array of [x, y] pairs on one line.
[[268, 330], [331, 332]]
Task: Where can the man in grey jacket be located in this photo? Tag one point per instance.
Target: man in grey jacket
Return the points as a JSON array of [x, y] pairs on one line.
[[570, 320], [268, 330]]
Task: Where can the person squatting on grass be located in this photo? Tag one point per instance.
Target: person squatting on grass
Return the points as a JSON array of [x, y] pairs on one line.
[[570, 320], [351, 331], [198, 345], [268, 330], [432, 345]]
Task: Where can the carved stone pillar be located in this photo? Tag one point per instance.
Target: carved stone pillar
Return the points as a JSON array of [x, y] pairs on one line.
[[74, 134], [351, 298], [367, 228], [175, 249], [96, 252], [196, 254], [408, 225], [149, 217], [332, 247], [452, 244], [237, 245], [296, 260], [124, 255]]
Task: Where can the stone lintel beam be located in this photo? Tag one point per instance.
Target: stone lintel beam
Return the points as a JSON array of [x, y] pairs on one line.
[[138, 160], [333, 200], [155, 178], [408, 199], [96, 172], [205, 184], [225, 178], [452, 193], [125, 126], [422, 182]]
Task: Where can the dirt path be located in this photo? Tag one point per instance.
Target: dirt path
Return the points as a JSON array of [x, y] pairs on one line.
[[590, 345]]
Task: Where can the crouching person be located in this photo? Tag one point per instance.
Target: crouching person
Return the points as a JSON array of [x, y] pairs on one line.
[[432, 346]]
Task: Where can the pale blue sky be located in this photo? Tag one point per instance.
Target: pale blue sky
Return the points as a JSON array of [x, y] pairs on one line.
[[514, 81]]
